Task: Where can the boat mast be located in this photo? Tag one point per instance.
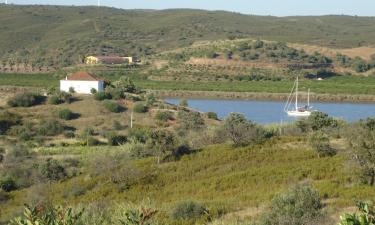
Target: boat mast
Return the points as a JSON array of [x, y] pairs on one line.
[[308, 98], [297, 94]]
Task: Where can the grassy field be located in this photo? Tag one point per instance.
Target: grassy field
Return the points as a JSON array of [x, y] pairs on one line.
[[350, 85], [219, 176]]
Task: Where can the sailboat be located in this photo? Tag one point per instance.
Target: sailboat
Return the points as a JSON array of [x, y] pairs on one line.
[[303, 111]]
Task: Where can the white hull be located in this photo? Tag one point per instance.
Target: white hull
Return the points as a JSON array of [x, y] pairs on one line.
[[299, 113]]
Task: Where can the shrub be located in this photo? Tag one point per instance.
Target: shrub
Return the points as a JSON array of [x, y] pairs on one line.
[[150, 99], [183, 103], [3, 196], [139, 134], [25, 100], [190, 120], [299, 206], [69, 134], [8, 184], [164, 116], [115, 139], [88, 131], [100, 96], [71, 90], [91, 141], [112, 106], [54, 100], [140, 108], [139, 216], [242, 131], [66, 114], [316, 121], [52, 170], [66, 97], [212, 115], [93, 91], [117, 125], [50, 127], [188, 210], [7, 120], [319, 141]]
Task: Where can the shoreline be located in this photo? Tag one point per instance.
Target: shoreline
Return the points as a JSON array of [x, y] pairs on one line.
[[342, 98]]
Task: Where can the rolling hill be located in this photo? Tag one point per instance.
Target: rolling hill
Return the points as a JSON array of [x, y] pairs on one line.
[[55, 36]]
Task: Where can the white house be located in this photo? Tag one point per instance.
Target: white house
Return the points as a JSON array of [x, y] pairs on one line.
[[82, 83]]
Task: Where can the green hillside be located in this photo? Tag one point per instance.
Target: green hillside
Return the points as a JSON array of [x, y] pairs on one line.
[[53, 36]]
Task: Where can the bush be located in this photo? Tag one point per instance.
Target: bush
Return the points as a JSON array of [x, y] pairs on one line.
[[190, 120], [316, 121], [366, 215], [66, 114], [140, 108], [115, 139], [50, 127], [69, 134], [52, 170], [188, 210], [93, 91], [88, 131], [164, 116], [242, 131], [3, 196], [299, 206], [71, 90], [8, 185], [319, 141], [66, 97], [7, 120], [54, 100], [25, 100], [183, 103], [91, 141], [112, 106], [100, 96], [212, 115]]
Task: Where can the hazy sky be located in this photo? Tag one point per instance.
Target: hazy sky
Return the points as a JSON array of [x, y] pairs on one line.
[[259, 7]]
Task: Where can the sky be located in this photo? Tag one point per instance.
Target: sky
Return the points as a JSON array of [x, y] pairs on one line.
[[257, 7]]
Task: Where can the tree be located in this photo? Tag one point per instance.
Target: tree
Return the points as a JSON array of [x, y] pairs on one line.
[[316, 121], [365, 216], [190, 120], [126, 85], [163, 141], [362, 141], [319, 141], [242, 131]]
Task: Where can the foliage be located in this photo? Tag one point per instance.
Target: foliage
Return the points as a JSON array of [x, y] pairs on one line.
[[183, 103], [140, 108], [115, 139], [319, 141], [113, 107], [25, 100], [125, 84], [50, 127], [141, 216], [8, 184], [93, 91], [188, 210], [54, 100], [164, 116], [316, 121], [163, 141], [365, 216], [71, 90], [241, 131], [69, 134], [190, 120], [101, 95], [150, 99], [66, 114], [7, 120], [299, 206], [52, 170], [212, 115], [42, 215], [361, 139]]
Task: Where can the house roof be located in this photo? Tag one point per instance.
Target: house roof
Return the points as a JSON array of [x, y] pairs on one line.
[[83, 76]]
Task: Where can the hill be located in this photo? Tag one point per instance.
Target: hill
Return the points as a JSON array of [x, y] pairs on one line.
[[55, 36]]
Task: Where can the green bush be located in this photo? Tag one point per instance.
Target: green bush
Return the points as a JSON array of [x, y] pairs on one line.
[[7, 120], [69, 134], [50, 127], [115, 139], [188, 210], [183, 103], [365, 216], [100, 96], [52, 170], [54, 100], [25, 100], [112, 106], [212, 115], [190, 120], [91, 141], [319, 141], [164, 116], [3, 196], [71, 90], [140, 108], [8, 184], [93, 91], [66, 97], [66, 114], [299, 206]]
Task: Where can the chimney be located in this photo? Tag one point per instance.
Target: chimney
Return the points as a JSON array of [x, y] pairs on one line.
[[66, 78]]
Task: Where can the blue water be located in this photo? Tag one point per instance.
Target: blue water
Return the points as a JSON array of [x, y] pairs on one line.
[[266, 112]]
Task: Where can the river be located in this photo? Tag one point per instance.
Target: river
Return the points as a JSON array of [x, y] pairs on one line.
[[266, 112]]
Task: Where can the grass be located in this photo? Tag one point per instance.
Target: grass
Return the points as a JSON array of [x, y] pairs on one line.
[[28, 80], [219, 175]]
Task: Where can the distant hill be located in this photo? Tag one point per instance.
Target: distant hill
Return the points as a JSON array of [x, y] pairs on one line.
[[55, 36]]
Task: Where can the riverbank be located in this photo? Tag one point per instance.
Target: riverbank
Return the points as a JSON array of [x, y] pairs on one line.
[[314, 97]]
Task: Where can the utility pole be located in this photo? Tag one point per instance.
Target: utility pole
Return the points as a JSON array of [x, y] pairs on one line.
[[98, 3], [131, 120]]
